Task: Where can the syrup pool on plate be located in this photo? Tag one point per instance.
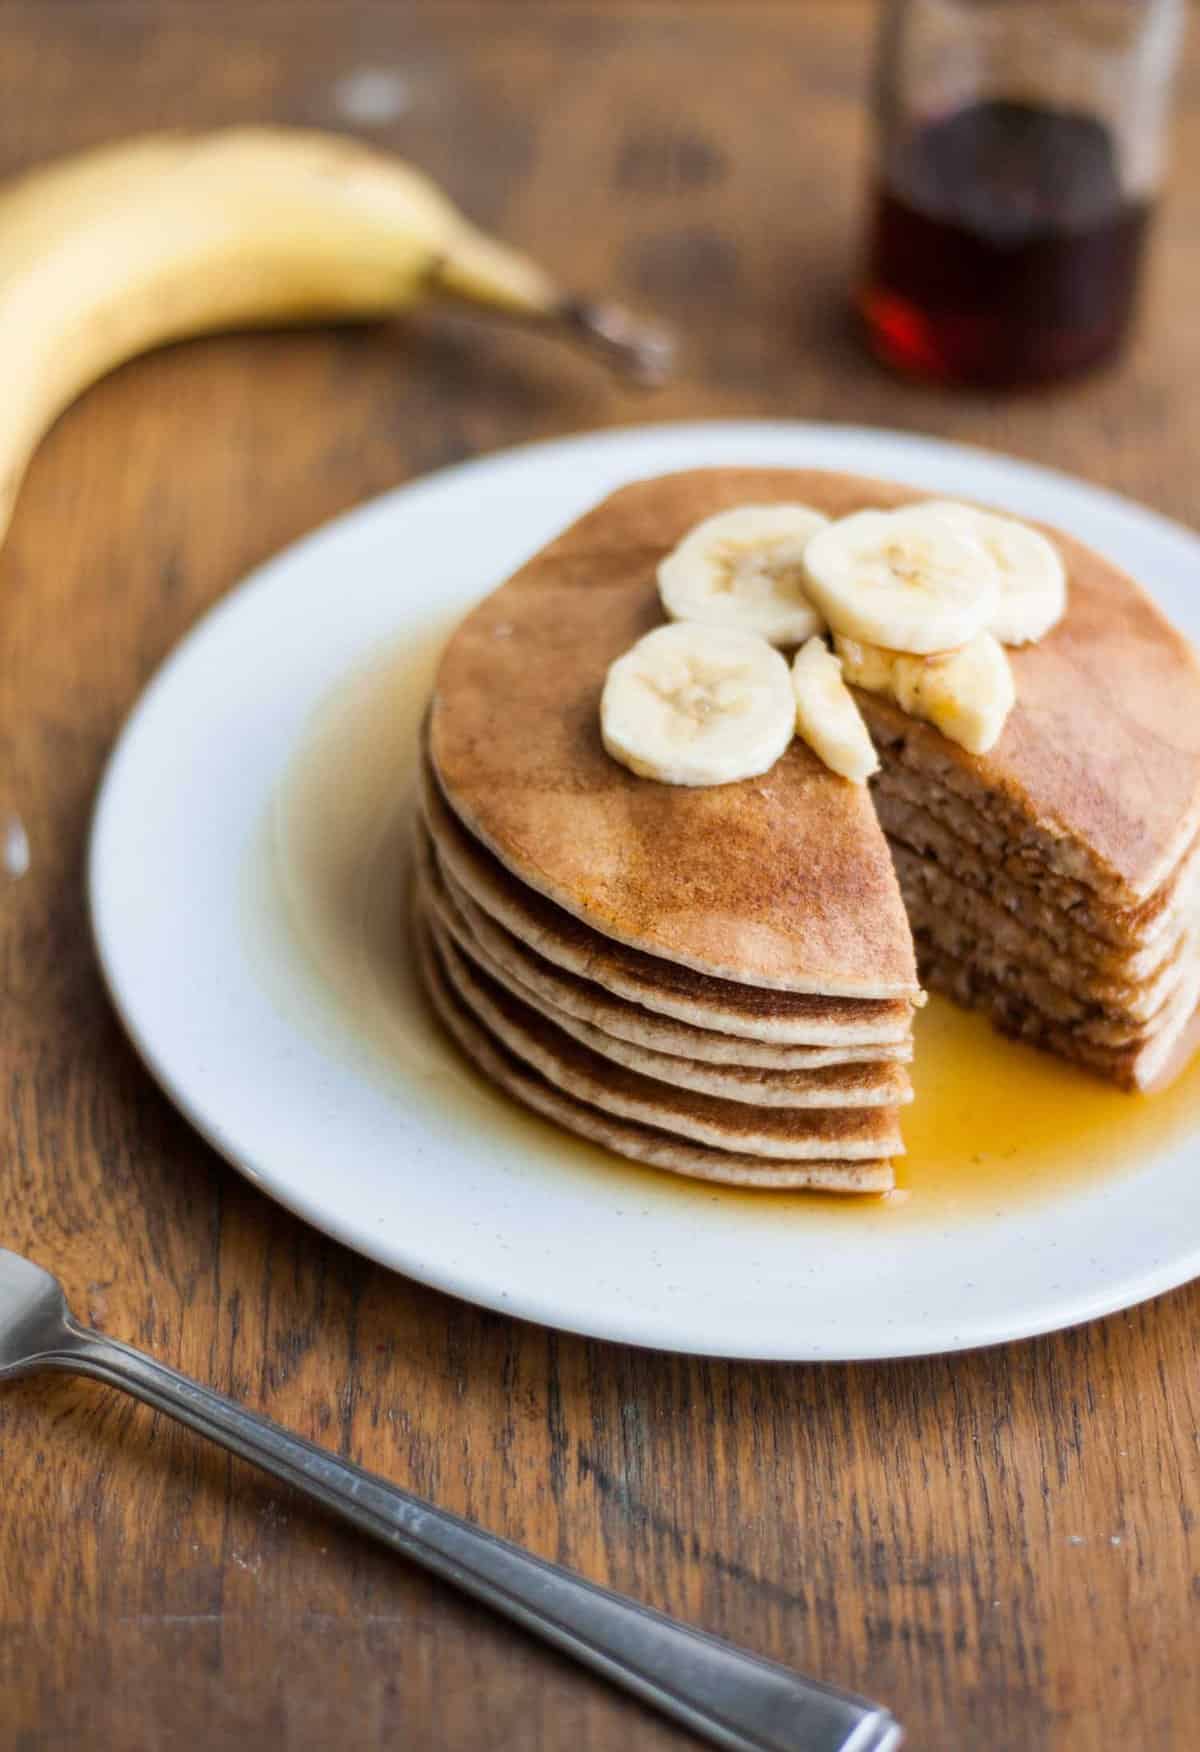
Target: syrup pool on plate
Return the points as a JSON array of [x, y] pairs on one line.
[[994, 1123]]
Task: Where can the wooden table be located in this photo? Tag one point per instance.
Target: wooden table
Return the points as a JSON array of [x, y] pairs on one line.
[[1002, 1546]]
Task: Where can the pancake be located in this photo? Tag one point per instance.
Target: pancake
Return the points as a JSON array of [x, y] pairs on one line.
[[730, 1007], [968, 923], [550, 987], [1105, 1026], [1133, 944], [1134, 1065], [620, 1026], [1000, 847], [846, 1085], [1097, 773], [639, 1143], [786, 1134]]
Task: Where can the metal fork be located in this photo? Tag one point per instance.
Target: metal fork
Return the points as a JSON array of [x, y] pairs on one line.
[[728, 1697]]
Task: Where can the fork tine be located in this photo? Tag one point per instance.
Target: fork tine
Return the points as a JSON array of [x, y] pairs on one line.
[[33, 1313]]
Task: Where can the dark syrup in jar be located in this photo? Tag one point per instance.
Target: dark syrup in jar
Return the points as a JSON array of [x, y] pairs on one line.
[[1002, 249]]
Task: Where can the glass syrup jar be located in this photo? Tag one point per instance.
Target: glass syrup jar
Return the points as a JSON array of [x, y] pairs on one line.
[[1018, 151]]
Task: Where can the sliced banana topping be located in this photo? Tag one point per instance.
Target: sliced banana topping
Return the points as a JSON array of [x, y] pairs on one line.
[[908, 580], [745, 568], [698, 705], [1033, 579], [967, 693], [827, 716]]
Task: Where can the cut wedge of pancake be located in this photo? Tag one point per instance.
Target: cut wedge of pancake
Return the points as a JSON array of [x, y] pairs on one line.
[[730, 1007], [640, 1143], [785, 1134]]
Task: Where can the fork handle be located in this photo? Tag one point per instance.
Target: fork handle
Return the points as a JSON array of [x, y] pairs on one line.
[[728, 1697]]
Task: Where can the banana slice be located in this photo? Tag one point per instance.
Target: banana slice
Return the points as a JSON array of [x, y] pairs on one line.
[[1033, 579], [744, 568], [967, 693], [697, 705], [827, 717], [906, 579]]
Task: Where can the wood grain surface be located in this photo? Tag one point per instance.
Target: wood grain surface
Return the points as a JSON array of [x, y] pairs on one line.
[[1001, 1546]]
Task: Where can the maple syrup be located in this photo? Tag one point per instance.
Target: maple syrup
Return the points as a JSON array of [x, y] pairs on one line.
[[994, 1123], [1002, 249]]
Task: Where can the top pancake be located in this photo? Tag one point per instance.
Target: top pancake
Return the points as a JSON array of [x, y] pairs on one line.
[[785, 880], [782, 881]]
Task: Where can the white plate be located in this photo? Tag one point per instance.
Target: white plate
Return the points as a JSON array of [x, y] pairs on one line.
[[403, 1155]]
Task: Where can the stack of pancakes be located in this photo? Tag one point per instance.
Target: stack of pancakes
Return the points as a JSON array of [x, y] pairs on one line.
[[708, 1076], [721, 980], [717, 980]]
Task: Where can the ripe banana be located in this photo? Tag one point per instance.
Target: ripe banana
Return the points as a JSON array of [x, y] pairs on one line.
[[1033, 580], [908, 580], [698, 705], [114, 251], [745, 568], [967, 693], [827, 715]]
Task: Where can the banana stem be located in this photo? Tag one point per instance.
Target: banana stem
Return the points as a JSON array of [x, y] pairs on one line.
[[641, 351]]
